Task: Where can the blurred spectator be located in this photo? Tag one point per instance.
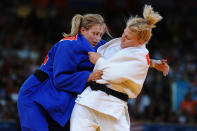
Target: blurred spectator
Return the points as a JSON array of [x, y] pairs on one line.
[[188, 105]]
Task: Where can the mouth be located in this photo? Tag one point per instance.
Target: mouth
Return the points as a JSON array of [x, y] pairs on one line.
[[94, 43]]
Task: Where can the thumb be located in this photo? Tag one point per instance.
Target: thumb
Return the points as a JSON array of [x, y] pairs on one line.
[[89, 53]]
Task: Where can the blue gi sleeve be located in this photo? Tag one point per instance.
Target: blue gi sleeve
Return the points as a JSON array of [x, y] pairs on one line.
[[66, 76]]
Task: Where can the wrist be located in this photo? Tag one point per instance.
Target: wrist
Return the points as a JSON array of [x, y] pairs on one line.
[[153, 63], [89, 78]]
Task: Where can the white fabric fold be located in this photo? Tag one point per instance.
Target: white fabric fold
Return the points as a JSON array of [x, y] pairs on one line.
[[124, 70]]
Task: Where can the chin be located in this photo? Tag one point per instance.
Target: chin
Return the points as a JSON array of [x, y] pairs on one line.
[[93, 45]]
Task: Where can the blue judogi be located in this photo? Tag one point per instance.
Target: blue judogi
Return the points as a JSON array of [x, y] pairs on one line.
[[68, 68]]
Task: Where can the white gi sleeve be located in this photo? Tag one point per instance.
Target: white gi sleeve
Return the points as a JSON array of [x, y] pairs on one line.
[[128, 68]]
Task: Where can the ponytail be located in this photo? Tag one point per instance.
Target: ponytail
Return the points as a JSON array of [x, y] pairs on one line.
[[86, 21], [151, 17], [76, 24], [143, 26]]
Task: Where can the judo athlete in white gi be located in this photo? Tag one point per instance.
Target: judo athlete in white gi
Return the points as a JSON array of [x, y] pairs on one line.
[[124, 62]]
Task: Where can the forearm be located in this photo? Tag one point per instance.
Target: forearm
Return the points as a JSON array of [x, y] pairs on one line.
[[71, 82]]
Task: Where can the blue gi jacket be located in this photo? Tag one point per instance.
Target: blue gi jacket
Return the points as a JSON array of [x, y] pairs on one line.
[[68, 67]]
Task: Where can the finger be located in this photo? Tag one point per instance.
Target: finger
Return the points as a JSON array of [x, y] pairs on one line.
[[164, 61], [90, 52], [166, 72], [97, 74], [100, 72]]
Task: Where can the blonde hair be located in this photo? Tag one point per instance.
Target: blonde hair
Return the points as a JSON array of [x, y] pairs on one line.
[[143, 26], [86, 21]]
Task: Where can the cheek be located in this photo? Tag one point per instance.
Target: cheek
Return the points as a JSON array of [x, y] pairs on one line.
[[131, 41], [127, 42], [92, 37], [88, 38]]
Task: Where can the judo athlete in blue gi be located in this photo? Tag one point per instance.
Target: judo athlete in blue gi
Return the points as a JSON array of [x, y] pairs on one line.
[[51, 91]]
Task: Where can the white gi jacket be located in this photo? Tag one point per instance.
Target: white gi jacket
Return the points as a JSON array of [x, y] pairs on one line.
[[124, 70]]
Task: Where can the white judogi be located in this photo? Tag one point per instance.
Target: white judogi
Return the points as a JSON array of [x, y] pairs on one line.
[[124, 70]]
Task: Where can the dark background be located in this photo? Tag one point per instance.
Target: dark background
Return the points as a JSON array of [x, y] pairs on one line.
[[28, 28]]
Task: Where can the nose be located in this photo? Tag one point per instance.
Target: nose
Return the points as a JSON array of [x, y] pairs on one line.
[[123, 38]]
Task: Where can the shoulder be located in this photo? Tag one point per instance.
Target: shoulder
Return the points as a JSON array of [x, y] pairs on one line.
[[68, 42], [72, 38], [142, 50], [73, 45]]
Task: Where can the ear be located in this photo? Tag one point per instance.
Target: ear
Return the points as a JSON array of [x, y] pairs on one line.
[[82, 30]]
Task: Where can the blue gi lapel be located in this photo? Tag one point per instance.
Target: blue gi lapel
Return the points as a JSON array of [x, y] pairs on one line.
[[85, 43]]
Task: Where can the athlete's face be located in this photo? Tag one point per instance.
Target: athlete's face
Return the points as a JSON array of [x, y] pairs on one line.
[[129, 39], [94, 34]]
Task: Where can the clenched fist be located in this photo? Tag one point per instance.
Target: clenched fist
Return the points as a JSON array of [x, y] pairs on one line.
[[93, 57], [95, 75]]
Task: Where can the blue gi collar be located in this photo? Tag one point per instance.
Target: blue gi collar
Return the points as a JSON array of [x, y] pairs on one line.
[[86, 43]]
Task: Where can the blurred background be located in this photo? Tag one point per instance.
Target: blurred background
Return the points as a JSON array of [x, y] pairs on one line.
[[29, 28]]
